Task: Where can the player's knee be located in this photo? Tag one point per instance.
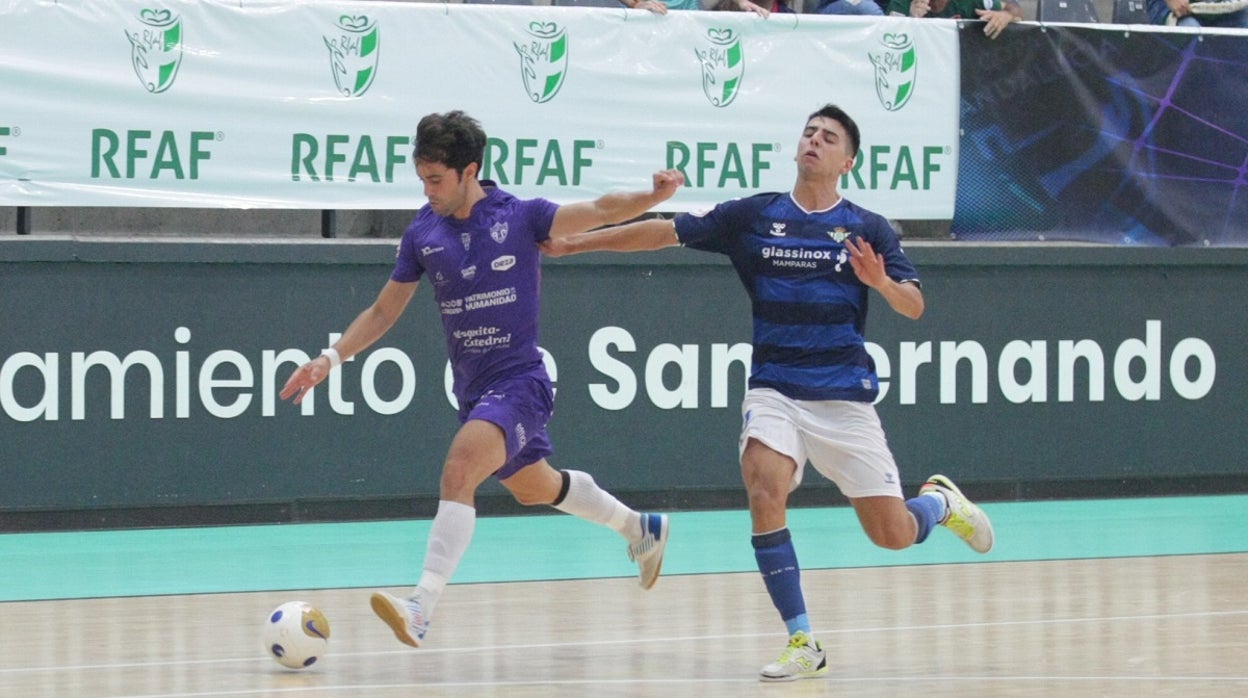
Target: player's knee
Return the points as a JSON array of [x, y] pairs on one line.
[[457, 479]]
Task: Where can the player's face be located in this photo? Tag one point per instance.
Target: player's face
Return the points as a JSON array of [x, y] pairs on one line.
[[446, 189], [824, 149]]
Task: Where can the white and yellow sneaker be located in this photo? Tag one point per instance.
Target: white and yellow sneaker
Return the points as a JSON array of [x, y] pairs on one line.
[[804, 658], [964, 518]]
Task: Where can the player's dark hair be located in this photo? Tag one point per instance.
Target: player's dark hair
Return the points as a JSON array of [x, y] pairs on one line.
[[453, 139], [831, 111]]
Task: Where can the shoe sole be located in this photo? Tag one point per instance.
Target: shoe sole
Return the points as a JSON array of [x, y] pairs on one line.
[[393, 617], [661, 546], [795, 677], [945, 482]]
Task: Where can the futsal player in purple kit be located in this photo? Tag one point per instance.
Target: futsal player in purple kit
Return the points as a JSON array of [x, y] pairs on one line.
[[807, 259], [479, 247]]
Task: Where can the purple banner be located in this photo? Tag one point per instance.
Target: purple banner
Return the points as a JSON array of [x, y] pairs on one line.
[[1072, 133]]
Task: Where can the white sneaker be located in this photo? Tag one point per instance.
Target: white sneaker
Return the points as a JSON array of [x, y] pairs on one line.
[[648, 552], [965, 519], [404, 616], [804, 658]]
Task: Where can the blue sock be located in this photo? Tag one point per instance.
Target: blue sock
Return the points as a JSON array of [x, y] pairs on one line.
[[928, 511], [777, 561]]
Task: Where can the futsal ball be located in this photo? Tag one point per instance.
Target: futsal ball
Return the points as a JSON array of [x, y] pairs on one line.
[[296, 635]]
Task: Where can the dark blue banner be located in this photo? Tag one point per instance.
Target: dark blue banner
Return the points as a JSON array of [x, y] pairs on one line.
[[1074, 133]]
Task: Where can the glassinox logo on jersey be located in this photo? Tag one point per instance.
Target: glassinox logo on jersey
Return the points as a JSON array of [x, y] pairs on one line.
[[895, 70], [353, 54], [543, 60], [156, 49], [723, 65]]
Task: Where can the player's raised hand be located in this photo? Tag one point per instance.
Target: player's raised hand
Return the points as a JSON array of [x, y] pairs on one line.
[[867, 264], [666, 182], [305, 378]]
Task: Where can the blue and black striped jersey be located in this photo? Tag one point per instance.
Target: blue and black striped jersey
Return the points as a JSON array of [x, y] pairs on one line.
[[809, 307]]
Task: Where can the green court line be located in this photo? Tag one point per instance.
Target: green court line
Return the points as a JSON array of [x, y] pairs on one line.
[[94, 564]]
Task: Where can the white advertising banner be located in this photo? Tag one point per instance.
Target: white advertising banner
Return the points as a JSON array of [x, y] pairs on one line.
[[246, 104]]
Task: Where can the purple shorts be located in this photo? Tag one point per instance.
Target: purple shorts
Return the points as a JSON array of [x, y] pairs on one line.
[[521, 407]]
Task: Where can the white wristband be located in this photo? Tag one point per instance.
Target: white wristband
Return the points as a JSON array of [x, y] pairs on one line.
[[334, 359]]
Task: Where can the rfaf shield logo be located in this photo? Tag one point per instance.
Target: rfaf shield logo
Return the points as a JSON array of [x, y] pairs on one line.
[[894, 70], [353, 52], [723, 64], [543, 60], [156, 49]]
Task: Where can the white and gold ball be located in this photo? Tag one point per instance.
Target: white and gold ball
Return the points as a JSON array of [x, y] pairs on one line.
[[296, 635]]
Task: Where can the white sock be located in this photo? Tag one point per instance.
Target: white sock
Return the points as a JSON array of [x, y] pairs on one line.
[[448, 540], [585, 499]]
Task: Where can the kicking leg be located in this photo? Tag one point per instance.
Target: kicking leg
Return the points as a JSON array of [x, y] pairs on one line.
[[476, 452]]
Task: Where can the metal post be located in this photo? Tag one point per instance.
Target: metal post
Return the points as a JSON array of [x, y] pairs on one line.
[[328, 221], [23, 220]]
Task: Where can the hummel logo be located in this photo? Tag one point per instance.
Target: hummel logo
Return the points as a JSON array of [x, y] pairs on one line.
[[777, 229]]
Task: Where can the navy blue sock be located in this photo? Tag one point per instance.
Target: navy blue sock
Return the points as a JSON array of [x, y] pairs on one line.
[[777, 561], [928, 511]]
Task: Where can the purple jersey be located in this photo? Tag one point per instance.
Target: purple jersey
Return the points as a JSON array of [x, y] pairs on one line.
[[485, 276]]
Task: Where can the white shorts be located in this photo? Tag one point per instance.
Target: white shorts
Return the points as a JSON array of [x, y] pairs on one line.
[[843, 440]]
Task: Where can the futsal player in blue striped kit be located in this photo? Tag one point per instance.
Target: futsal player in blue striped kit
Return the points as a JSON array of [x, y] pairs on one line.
[[808, 259]]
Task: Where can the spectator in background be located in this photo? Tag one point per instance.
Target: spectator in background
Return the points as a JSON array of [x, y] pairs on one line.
[[660, 7], [781, 6], [849, 7], [996, 13], [1231, 14]]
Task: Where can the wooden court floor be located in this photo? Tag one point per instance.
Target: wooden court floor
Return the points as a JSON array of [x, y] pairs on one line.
[[1174, 625]]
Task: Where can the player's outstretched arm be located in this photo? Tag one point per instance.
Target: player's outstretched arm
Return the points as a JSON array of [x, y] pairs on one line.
[[365, 329], [651, 234], [615, 208]]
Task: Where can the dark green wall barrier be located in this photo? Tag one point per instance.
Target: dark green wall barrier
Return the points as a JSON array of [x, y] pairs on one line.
[[142, 377]]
